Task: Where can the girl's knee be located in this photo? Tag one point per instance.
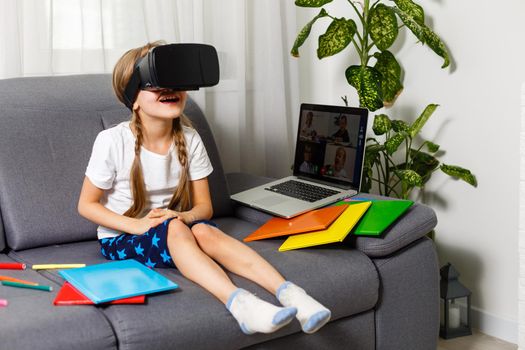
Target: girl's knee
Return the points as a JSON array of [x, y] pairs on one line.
[[204, 233], [178, 230]]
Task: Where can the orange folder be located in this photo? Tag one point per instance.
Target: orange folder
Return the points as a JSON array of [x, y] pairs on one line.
[[69, 295], [314, 220], [337, 232]]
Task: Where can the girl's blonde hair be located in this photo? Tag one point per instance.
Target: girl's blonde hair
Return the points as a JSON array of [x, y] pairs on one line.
[[181, 199]]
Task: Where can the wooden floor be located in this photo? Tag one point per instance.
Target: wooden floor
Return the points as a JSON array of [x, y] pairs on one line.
[[477, 341]]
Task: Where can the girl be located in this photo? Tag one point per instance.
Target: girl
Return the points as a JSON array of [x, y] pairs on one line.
[[146, 186]]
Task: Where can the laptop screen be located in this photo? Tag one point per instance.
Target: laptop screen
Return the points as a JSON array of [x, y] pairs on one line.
[[331, 144]]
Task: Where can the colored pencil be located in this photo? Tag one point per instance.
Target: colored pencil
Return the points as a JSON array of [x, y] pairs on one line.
[[23, 285], [12, 279], [3, 302], [12, 266], [57, 266]]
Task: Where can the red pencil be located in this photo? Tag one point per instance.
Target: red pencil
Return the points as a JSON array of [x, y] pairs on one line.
[[12, 266]]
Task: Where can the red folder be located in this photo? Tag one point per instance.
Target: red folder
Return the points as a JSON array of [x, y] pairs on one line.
[[314, 220], [69, 295]]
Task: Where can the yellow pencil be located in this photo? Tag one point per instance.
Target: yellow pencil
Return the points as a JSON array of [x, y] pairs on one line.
[[57, 266]]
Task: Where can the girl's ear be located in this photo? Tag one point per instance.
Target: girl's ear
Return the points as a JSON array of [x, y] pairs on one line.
[[135, 106]]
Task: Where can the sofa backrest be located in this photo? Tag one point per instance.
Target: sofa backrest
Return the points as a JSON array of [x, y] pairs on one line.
[[47, 129], [2, 236]]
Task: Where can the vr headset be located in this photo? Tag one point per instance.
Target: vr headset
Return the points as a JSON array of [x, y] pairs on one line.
[[174, 66]]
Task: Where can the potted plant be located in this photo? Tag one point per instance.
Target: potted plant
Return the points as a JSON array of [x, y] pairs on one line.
[[415, 162], [377, 80]]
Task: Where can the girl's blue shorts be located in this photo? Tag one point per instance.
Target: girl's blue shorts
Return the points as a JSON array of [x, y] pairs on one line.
[[150, 248]]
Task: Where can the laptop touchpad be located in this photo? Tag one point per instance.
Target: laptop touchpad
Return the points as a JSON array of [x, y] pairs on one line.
[[269, 201]]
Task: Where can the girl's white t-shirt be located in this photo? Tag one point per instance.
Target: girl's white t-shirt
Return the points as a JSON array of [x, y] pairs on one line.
[[110, 164]]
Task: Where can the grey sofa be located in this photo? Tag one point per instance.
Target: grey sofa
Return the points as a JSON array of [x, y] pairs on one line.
[[383, 292]]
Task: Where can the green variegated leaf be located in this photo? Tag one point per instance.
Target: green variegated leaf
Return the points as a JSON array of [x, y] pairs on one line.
[[460, 173], [423, 164], [337, 36], [366, 179], [371, 157], [383, 26], [399, 125], [391, 76], [372, 154], [424, 34], [410, 177], [382, 124], [432, 147], [367, 82], [311, 3], [415, 128], [393, 143], [412, 9], [303, 34], [424, 158], [375, 148]]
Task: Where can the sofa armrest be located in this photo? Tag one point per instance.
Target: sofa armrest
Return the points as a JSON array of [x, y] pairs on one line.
[[418, 221]]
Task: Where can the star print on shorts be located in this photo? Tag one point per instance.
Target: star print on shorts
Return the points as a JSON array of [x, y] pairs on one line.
[[150, 248]]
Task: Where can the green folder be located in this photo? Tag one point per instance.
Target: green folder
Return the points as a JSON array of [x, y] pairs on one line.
[[380, 215]]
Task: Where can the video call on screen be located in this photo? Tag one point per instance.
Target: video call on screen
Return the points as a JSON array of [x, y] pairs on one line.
[[327, 146]]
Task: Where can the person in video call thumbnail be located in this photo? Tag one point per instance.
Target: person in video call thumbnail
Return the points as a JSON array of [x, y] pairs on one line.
[[307, 166], [307, 131], [337, 168], [341, 135]]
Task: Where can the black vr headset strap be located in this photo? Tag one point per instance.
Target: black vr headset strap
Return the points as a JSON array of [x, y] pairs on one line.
[[132, 89]]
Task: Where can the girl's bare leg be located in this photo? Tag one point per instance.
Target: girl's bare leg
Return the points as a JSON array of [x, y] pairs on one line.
[[244, 261], [237, 257], [194, 264], [252, 314]]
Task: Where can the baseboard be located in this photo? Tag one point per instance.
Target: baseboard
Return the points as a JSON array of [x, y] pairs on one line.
[[495, 326]]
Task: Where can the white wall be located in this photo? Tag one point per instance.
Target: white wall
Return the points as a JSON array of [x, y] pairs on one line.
[[477, 124]]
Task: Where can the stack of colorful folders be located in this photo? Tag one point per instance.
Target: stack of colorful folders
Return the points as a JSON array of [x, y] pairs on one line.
[[333, 224], [122, 282]]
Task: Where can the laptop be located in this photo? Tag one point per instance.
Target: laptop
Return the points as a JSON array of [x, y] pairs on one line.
[[328, 165]]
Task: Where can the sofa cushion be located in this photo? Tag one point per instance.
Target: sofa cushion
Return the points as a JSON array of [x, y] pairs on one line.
[[87, 252], [42, 164], [172, 317], [47, 129], [355, 332], [31, 321]]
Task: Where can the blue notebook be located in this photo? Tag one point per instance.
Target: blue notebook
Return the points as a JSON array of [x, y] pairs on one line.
[[116, 280]]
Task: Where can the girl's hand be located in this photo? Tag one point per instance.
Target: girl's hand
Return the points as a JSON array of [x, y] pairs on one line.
[[152, 219], [166, 214]]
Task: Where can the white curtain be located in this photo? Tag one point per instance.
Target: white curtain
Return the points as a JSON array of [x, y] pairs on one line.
[[254, 109], [521, 231]]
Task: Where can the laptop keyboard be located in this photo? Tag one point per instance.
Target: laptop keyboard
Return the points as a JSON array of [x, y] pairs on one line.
[[301, 190]]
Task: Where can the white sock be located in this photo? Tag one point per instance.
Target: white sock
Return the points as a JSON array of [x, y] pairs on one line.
[[256, 315], [310, 313]]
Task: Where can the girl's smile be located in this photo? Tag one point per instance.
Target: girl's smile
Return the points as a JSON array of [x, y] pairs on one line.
[[163, 103], [170, 97]]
